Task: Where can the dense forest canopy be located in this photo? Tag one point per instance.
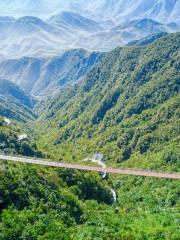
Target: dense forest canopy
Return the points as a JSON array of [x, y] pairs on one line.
[[127, 108]]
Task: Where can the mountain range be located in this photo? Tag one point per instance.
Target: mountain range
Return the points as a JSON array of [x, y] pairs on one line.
[[123, 103], [41, 77], [121, 10], [116, 10], [96, 26], [80, 79], [88, 96]]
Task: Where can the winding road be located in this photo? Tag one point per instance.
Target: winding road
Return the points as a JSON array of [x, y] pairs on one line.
[[124, 171]]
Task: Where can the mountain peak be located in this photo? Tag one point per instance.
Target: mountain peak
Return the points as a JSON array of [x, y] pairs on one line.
[[94, 25], [75, 20], [30, 19]]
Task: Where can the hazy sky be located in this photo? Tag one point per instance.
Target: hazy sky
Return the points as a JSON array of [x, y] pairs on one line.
[[40, 8]]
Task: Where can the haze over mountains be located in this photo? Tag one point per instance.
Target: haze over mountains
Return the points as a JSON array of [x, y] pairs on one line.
[[40, 77], [94, 25], [43, 76], [117, 10], [37, 38]]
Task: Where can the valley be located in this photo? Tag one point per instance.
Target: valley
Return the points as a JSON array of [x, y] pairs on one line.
[[93, 86], [114, 110], [39, 76], [108, 105], [126, 106]]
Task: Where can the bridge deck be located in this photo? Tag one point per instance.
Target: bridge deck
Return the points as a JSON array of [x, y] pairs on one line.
[[129, 171]]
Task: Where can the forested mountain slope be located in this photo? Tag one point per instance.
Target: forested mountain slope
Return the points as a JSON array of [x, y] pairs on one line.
[[127, 108], [14, 103], [147, 40], [44, 203], [12, 140], [42, 76], [39, 203]]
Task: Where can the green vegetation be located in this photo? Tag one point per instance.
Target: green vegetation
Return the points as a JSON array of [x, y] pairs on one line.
[[127, 108], [39, 203], [147, 40], [14, 103], [10, 143], [42, 203]]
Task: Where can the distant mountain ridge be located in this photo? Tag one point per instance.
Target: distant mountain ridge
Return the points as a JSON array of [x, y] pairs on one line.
[[75, 21], [119, 10], [28, 36], [46, 76], [99, 25], [32, 37]]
